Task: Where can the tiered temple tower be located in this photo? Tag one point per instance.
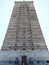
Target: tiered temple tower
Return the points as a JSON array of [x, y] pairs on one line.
[[24, 31], [24, 43]]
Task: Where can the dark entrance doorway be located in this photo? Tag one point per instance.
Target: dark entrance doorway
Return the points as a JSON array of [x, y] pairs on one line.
[[24, 60]]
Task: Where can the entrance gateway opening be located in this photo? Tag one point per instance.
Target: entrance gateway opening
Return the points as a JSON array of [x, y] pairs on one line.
[[24, 60]]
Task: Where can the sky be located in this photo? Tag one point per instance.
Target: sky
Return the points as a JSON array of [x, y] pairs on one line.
[[42, 10]]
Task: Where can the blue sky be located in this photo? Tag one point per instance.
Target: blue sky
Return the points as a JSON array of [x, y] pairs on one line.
[[42, 10]]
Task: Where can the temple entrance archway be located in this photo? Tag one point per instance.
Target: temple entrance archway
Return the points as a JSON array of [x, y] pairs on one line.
[[24, 60]]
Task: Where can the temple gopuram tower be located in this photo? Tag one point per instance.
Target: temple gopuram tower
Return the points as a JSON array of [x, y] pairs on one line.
[[24, 43]]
